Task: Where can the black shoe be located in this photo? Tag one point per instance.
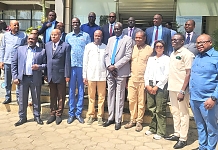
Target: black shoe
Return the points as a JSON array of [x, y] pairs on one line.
[[117, 126], [109, 122], [172, 138], [58, 120], [20, 122], [38, 120], [7, 101], [180, 144], [70, 120], [80, 119], [51, 119]]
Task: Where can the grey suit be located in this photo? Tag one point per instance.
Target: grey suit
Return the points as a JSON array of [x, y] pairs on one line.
[[191, 46], [116, 86], [33, 82], [125, 32], [193, 39]]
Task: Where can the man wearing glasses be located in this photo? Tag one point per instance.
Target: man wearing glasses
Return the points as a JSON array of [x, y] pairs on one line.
[[179, 74], [90, 27], [108, 29]]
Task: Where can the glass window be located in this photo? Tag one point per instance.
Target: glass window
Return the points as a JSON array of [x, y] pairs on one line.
[[9, 14], [24, 24], [36, 23], [1, 15], [37, 14], [24, 14]]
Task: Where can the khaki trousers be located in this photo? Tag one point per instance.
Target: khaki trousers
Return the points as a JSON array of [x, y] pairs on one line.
[[101, 88], [136, 97], [180, 114]]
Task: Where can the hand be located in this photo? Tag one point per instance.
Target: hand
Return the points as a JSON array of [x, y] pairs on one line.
[[209, 103], [149, 89], [154, 90], [35, 67], [16, 81], [114, 73], [48, 24], [67, 79], [111, 68], [1, 65], [180, 97], [46, 78], [85, 81]]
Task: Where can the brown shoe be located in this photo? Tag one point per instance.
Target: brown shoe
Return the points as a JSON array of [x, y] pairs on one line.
[[130, 125], [138, 127]]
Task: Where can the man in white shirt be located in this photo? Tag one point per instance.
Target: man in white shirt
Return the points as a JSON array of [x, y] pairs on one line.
[[94, 75]]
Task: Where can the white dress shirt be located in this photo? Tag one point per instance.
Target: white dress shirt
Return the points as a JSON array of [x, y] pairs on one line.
[[157, 70], [29, 60], [191, 34]]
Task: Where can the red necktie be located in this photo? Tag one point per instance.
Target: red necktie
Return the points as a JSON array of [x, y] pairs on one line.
[[111, 30], [156, 34]]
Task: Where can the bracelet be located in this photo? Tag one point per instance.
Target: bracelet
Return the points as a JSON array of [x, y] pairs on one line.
[[182, 92]]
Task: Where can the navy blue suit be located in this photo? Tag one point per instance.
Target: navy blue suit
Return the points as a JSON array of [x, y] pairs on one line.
[[106, 34]]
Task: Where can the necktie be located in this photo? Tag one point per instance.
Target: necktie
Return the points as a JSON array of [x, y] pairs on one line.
[[111, 30], [156, 35], [130, 32], [54, 49], [188, 39], [114, 52]]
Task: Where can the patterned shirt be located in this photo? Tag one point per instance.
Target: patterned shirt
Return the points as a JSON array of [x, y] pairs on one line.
[[77, 43]]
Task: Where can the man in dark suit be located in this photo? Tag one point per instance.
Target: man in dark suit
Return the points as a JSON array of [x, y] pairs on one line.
[[48, 26], [61, 27], [108, 29], [131, 30], [57, 74], [27, 65], [158, 32], [117, 56]]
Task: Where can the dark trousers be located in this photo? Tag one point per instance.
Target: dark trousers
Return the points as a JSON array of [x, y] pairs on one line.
[[57, 97]]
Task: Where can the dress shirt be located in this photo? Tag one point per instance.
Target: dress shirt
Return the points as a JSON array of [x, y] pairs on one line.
[[203, 81], [93, 62], [54, 47], [117, 38], [90, 29], [77, 43], [130, 30], [49, 30], [10, 43], [191, 34], [157, 70], [159, 34], [29, 60], [112, 26]]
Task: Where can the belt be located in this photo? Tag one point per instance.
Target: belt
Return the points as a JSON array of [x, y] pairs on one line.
[[29, 76]]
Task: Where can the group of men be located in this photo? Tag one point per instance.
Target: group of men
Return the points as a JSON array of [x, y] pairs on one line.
[[93, 55]]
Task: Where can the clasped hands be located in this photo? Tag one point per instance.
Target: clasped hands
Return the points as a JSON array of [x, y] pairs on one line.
[[152, 90], [112, 70]]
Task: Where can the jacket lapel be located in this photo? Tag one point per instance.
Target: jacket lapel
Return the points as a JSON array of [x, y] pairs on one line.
[[120, 43], [58, 48]]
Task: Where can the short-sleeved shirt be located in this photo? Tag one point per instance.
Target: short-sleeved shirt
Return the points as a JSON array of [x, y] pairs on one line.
[[77, 43], [138, 62], [180, 60], [90, 29]]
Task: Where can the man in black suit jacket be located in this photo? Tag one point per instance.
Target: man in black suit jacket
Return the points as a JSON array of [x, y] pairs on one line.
[[61, 27], [48, 26], [57, 74], [108, 29]]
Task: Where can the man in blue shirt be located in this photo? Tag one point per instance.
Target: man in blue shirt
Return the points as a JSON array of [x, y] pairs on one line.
[[10, 42], [90, 27], [77, 40], [204, 93]]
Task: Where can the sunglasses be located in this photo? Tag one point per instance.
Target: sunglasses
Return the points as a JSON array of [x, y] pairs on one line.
[[159, 47], [91, 16], [111, 16]]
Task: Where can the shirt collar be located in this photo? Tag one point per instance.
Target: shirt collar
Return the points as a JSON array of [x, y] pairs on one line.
[[14, 34], [119, 37], [53, 22], [179, 50], [91, 26], [56, 44], [130, 28], [191, 33], [209, 52], [112, 24], [159, 27], [32, 49], [80, 32]]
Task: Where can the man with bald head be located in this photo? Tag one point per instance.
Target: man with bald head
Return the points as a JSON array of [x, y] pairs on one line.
[[57, 74], [203, 87], [131, 30], [10, 42], [94, 75], [90, 27]]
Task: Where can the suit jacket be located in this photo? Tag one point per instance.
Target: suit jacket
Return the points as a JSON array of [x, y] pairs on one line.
[[58, 64], [193, 39], [43, 29], [63, 36], [106, 34], [125, 32], [192, 48], [19, 61], [123, 54], [166, 37]]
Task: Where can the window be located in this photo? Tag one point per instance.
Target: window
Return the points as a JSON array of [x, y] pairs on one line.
[[9, 14]]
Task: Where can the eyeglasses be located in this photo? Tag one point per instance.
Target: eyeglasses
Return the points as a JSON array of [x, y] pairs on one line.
[[91, 16], [111, 16], [202, 42], [175, 40], [116, 29], [159, 47]]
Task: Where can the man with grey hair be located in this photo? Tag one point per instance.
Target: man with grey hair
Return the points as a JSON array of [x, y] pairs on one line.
[[117, 59]]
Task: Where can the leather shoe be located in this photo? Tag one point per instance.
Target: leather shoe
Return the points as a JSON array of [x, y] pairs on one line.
[[38, 120], [58, 120], [109, 122], [70, 119], [117, 126], [20, 122], [51, 119], [80, 119], [172, 138], [7, 101], [180, 144]]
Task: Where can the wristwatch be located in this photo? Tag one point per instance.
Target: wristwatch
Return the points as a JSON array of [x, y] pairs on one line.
[[213, 98], [182, 92]]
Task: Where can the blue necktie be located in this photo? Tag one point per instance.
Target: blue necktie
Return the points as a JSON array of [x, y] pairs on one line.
[[114, 52], [188, 39]]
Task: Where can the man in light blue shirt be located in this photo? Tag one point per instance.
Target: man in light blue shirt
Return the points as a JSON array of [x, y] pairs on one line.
[[203, 87], [10, 42], [78, 40]]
